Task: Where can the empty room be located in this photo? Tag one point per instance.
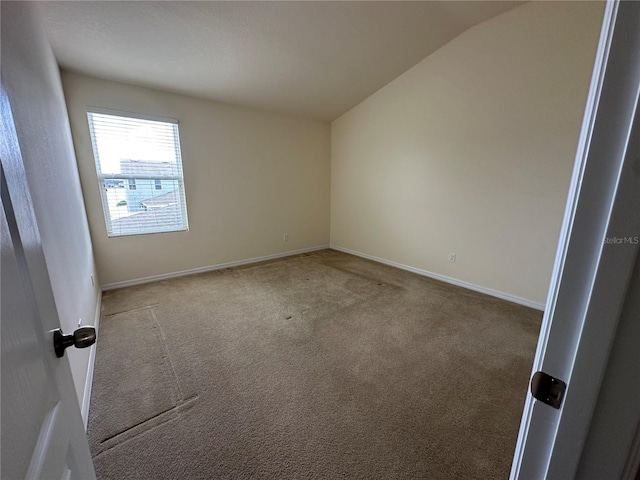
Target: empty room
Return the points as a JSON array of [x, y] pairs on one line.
[[317, 239]]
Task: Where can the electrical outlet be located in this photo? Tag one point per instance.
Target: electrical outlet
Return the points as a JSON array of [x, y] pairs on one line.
[[452, 257], [285, 237]]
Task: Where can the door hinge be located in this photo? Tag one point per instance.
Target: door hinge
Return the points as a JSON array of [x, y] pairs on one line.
[[548, 389]]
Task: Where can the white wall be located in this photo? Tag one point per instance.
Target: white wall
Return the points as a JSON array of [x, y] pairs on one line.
[[471, 152], [250, 176], [32, 80]]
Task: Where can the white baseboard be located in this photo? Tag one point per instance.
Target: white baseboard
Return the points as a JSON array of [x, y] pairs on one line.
[[86, 398], [444, 278], [209, 268]]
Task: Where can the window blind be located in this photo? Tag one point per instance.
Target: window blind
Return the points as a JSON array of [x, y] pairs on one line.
[[139, 168]]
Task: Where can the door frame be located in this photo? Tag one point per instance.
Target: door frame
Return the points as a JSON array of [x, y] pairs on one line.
[[590, 276]]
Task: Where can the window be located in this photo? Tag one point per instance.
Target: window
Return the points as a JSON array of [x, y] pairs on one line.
[[140, 173]]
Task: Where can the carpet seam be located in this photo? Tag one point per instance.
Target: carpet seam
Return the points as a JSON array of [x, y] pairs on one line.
[[168, 410], [163, 342], [132, 310], [172, 413]]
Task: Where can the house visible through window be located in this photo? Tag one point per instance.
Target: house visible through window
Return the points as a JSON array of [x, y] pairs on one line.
[[140, 173]]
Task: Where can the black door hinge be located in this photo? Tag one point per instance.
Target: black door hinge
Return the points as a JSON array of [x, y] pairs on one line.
[[548, 389]]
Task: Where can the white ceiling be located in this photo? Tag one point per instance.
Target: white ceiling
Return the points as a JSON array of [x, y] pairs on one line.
[[312, 59]]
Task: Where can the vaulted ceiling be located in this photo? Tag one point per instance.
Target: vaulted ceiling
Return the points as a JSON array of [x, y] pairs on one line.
[[315, 59]]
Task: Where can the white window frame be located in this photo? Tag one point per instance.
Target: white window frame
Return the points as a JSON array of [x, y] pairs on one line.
[[126, 177]]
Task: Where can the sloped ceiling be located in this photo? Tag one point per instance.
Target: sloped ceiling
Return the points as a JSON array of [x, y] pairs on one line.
[[310, 59]]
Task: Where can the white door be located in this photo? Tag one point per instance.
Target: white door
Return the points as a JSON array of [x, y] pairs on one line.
[[42, 431], [595, 259]]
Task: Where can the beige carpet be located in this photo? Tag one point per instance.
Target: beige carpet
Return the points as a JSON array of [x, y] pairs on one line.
[[322, 365]]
